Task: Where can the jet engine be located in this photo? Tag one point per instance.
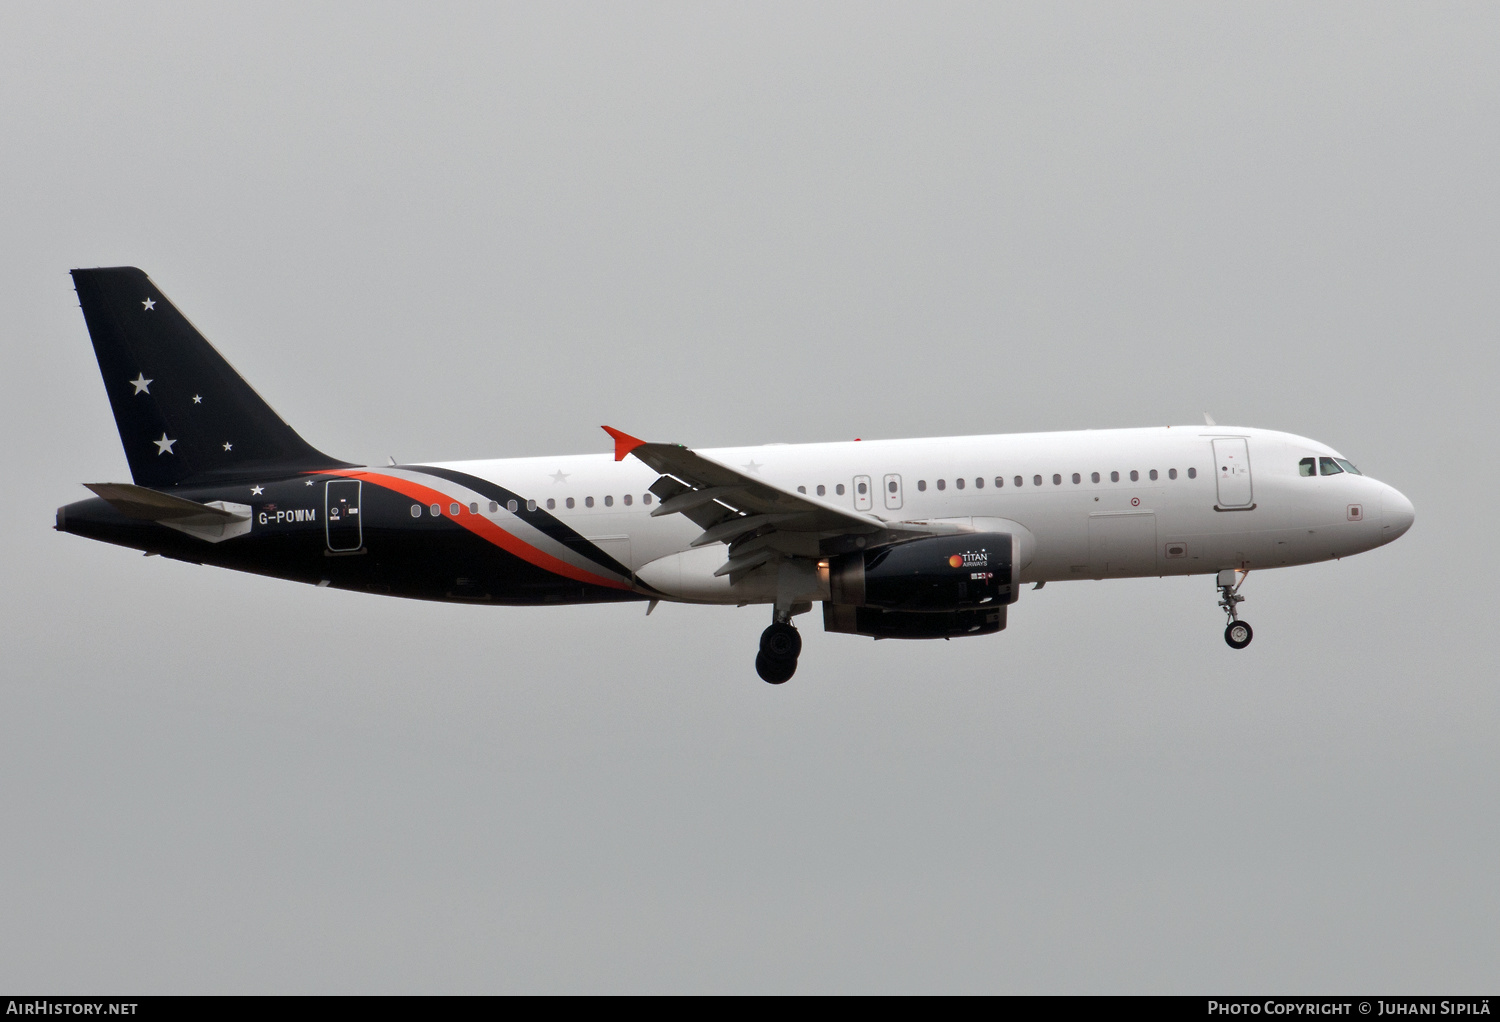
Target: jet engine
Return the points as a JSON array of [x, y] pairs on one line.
[[934, 588]]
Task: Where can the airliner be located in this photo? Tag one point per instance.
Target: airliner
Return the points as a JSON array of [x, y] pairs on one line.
[[897, 539]]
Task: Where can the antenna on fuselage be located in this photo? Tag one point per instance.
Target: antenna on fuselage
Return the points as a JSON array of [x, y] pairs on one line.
[[1208, 420]]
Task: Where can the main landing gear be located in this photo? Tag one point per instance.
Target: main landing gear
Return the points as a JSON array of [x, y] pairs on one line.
[[780, 646], [1238, 633]]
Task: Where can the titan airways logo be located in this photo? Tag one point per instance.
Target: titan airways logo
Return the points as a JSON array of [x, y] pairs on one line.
[[970, 559]]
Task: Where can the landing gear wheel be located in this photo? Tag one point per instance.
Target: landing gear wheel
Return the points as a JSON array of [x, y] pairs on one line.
[[774, 671], [781, 642], [1238, 635]]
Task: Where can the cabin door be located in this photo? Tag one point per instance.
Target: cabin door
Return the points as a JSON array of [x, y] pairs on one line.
[[1232, 465], [341, 516]]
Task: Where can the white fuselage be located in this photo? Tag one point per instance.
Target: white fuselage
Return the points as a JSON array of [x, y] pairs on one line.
[[1174, 500]]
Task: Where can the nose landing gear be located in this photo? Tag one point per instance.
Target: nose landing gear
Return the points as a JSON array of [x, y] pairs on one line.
[[780, 645], [1237, 633]]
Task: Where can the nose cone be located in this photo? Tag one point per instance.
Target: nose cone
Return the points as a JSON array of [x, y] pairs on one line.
[[1397, 514]]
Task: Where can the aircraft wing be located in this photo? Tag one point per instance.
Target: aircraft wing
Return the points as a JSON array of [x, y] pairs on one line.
[[756, 519]]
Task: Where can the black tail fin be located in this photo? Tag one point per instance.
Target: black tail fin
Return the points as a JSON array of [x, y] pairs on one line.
[[183, 412]]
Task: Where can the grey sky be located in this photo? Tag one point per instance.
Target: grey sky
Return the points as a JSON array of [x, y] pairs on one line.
[[482, 231]]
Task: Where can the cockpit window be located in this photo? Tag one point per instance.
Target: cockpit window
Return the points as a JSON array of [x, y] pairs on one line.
[[1348, 466], [1308, 467], [1328, 467]]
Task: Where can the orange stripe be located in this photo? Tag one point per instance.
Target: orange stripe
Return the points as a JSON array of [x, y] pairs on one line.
[[480, 526]]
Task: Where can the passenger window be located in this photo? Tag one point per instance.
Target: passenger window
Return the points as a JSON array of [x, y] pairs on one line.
[[588, 501], [822, 490], [922, 485], [1171, 473], [531, 505], [453, 509], [1077, 478], [942, 484], [1093, 477], [416, 510], [1114, 477], [1056, 479], [628, 498], [959, 482], [645, 498], [838, 489], [891, 486], [1192, 473], [802, 489], [609, 501], [436, 510], [568, 503], [1153, 475], [863, 488], [1328, 467], [494, 507], [473, 509], [1036, 480], [1307, 467], [1348, 467], [979, 482], [1135, 476], [512, 506], [551, 504], [1018, 480]]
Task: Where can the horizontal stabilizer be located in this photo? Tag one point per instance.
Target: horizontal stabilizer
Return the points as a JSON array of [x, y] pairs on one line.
[[154, 506]]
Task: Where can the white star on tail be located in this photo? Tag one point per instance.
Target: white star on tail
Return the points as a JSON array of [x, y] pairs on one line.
[[255, 491], [164, 446], [141, 384], [560, 476], [228, 446], [197, 399], [149, 304]]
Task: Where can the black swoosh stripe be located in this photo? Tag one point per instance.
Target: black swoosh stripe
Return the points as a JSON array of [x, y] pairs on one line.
[[543, 521]]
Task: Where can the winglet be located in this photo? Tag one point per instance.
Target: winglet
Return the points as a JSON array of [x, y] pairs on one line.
[[624, 442]]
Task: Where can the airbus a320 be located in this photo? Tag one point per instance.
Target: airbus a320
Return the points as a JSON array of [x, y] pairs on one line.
[[897, 539]]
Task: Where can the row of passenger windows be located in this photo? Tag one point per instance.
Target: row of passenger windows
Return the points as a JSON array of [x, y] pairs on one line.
[[1326, 467], [1036, 480], [514, 505]]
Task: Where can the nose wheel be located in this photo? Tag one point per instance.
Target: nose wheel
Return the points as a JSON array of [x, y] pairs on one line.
[[780, 645], [1237, 633]]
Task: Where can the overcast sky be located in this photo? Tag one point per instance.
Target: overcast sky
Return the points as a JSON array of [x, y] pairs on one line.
[[481, 231]]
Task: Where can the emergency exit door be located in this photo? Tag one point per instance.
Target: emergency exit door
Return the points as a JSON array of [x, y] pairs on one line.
[[863, 498], [893, 493]]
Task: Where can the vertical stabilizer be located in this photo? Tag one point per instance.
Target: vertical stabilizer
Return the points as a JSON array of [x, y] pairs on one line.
[[182, 410]]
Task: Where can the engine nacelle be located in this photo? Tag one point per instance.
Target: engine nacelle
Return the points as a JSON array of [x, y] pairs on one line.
[[940, 574]]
